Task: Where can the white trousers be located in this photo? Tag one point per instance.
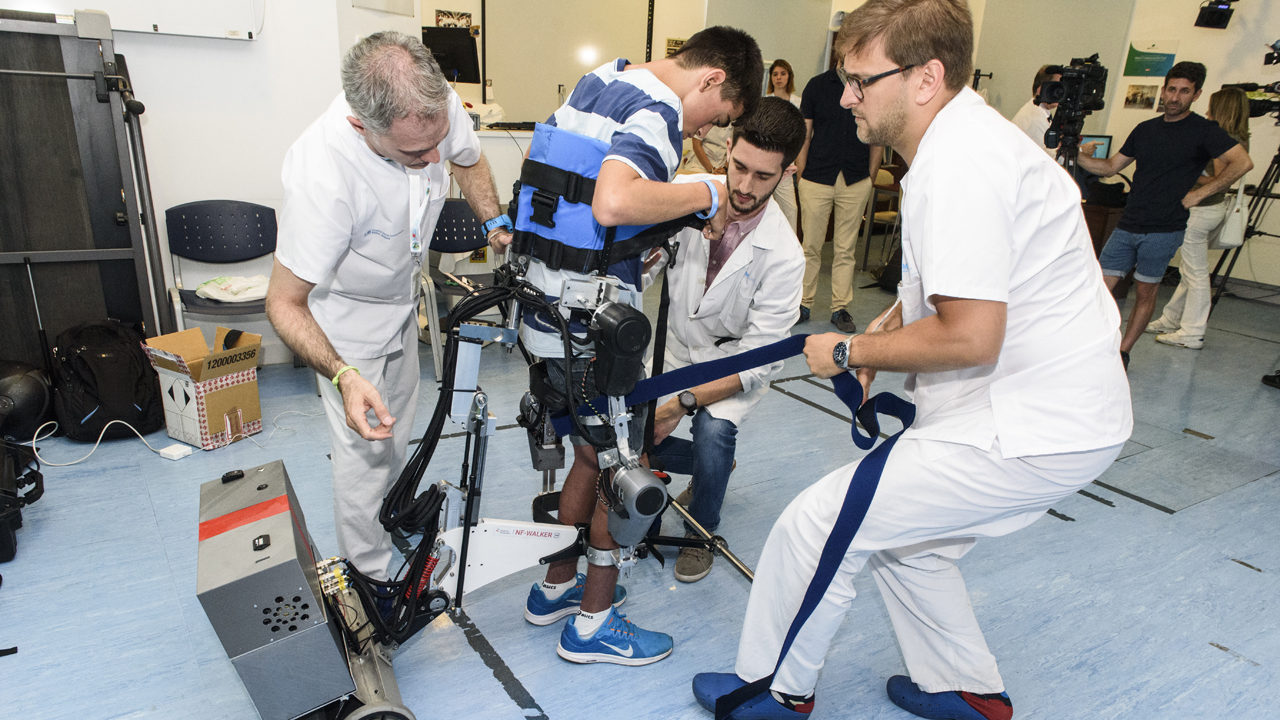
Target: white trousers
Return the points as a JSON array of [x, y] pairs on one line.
[[933, 501], [1188, 309], [364, 470]]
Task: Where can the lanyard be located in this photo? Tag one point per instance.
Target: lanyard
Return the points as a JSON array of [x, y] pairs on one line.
[[418, 203]]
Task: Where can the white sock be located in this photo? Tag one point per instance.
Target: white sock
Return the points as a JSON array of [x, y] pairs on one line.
[[588, 623], [553, 591]]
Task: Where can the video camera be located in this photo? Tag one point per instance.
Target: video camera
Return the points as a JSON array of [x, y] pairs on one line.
[[1080, 92], [1262, 106]]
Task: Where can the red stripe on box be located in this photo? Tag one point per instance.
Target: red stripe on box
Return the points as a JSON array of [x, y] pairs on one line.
[[240, 518]]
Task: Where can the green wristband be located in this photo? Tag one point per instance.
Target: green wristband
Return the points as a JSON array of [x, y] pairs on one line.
[[341, 370]]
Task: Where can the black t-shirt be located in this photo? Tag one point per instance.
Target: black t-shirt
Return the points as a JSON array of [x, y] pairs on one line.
[[835, 146], [1170, 156]]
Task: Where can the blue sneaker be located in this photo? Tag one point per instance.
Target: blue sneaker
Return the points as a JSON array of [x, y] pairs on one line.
[[948, 705], [804, 315], [709, 687], [541, 611], [617, 641]]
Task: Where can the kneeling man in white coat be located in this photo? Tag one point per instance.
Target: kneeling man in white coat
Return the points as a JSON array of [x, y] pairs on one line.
[[729, 295]]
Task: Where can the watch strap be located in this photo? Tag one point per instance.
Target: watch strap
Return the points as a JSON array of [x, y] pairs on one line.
[[687, 410], [501, 220]]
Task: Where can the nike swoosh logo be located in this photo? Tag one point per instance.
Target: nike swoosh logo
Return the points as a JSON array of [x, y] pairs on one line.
[[620, 651]]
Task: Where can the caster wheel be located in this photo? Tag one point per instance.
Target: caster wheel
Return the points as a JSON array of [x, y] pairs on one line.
[[382, 711]]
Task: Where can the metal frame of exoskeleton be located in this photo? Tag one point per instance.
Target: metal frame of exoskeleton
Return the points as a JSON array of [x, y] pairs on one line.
[[442, 525]]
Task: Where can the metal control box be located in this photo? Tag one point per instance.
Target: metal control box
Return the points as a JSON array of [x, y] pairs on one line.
[[256, 578]]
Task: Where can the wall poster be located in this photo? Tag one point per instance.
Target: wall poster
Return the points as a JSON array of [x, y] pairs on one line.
[[452, 18]]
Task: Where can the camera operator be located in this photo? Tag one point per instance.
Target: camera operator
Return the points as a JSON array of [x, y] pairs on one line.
[[1172, 151], [1033, 118]]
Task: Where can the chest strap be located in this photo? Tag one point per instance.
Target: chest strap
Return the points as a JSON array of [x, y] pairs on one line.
[[552, 185], [558, 256]]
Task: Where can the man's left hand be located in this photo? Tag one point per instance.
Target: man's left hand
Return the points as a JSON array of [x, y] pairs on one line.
[[1191, 199], [499, 241], [666, 419], [817, 352]]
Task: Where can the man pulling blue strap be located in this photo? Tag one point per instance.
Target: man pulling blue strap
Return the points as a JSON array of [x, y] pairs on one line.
[[1010, 342]]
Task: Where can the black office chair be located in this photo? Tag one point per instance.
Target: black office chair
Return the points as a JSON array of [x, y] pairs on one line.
[[457, 231], [217, 231]]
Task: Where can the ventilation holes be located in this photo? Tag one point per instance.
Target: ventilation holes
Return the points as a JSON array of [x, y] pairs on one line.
[[285, 614]]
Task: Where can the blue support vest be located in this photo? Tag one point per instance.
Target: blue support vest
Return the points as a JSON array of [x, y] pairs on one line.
[[575, 226]]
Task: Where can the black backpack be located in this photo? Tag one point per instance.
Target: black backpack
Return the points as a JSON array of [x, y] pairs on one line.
[[887, 277], [102, 374]]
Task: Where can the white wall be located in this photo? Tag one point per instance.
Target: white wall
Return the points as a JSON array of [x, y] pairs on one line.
[[795, 31], [676, 19], [671, 18], [1231, 55], [1019, 42], [532, 51]]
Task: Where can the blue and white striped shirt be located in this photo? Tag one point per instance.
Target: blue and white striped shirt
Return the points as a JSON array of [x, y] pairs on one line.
[[641, 119]]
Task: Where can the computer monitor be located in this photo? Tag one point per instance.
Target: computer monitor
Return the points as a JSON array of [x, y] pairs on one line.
[[1104, 145], [455, 49]]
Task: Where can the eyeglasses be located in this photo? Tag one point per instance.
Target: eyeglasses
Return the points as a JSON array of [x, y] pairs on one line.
[[857, 83]]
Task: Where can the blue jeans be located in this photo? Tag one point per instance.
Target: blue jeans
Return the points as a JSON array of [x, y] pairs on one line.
[[708, 458], [1146, 254]]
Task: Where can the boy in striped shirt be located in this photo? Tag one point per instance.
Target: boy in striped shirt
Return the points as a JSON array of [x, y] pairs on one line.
[[644, 112]]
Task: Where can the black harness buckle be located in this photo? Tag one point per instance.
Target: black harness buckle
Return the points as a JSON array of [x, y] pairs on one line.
[[573, 187], [544, 207]]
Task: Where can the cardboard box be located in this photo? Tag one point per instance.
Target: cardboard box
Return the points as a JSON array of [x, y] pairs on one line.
[[210, 398]]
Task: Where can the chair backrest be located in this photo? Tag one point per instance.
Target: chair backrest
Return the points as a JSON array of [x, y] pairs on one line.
[[221, 231], [458, 229]]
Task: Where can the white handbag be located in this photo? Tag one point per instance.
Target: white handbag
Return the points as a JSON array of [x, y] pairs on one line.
[[1231, 231]]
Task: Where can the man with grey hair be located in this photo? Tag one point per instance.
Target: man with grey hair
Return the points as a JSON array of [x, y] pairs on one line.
[[363, 188]]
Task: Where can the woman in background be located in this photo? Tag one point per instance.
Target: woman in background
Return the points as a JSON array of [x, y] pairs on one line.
[[782, 84], [1183, 322]]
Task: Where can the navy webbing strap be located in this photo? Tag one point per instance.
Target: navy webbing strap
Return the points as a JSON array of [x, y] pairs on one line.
[[852, 512], [857, 498], [692, 375], [670, 383]]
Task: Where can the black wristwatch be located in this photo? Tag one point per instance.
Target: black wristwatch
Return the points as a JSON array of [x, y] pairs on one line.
[[840, 354], [688, 401]]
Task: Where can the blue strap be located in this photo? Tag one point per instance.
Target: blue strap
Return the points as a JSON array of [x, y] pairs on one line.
[[669, 383], [857, 499], [862, 488]]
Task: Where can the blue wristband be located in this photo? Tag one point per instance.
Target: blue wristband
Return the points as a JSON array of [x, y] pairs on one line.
[[502, 220], [715, 201]]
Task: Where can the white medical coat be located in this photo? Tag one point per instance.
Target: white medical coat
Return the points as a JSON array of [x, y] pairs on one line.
[[753, 301], [1000, 221], [345, 227]]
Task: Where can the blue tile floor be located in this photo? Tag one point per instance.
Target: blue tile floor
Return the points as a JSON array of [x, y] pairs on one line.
[[1154, 595]]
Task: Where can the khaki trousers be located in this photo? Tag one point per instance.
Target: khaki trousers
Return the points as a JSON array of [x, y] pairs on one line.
[[816, 204]]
